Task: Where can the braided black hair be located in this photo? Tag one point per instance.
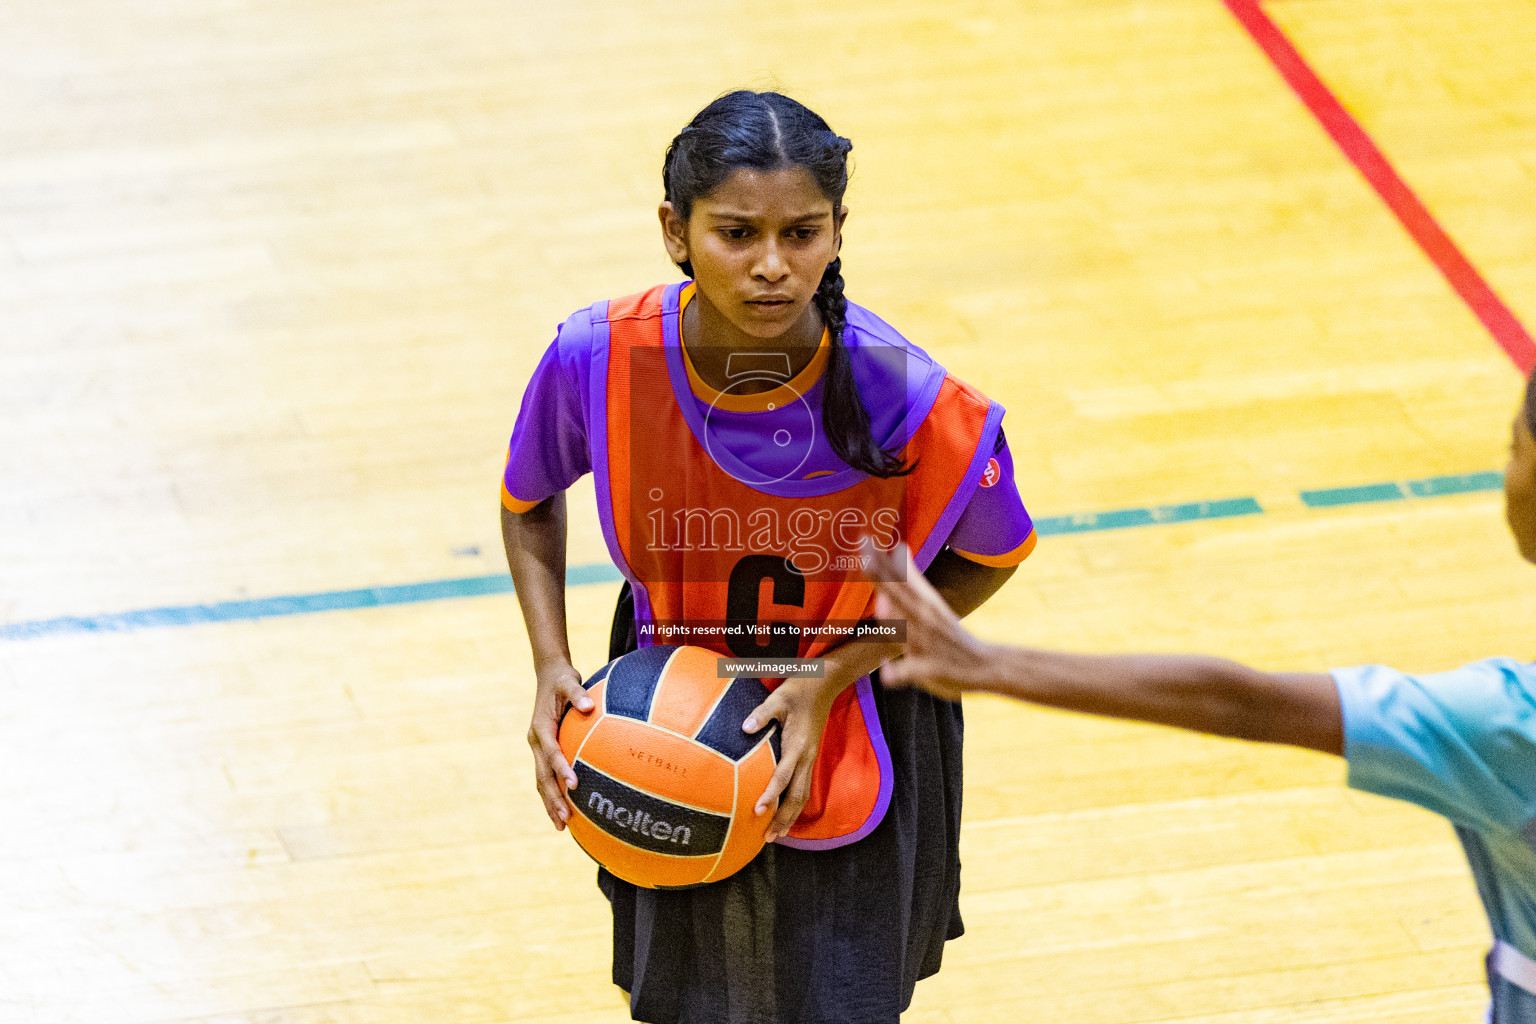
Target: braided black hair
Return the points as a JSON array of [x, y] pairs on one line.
[[767, 131]]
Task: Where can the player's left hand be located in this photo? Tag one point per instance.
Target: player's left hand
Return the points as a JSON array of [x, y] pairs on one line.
[[801, 707]]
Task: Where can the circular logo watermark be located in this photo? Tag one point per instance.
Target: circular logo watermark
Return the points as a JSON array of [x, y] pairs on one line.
[[797, 436]]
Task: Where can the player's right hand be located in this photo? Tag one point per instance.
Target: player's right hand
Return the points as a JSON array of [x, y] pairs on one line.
[[559, 686]]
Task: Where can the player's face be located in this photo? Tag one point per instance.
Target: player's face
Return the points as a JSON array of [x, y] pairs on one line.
[[1520, 487], [758, 244]]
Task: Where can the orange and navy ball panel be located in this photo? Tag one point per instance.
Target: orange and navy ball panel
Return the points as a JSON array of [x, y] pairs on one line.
[[642, 821], [598, 676], [661, 764], [632, 681], [652, 870], [747, 827], [722, 729], [687, 691]]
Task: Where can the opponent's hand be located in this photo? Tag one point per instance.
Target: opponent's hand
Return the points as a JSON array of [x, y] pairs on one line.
[[559, 685], [801, 707], [941, 656]]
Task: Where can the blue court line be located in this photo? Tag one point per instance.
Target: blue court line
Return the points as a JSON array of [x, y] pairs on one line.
[[1119, 519], [293, 604], [1402, 490], [580, 575]]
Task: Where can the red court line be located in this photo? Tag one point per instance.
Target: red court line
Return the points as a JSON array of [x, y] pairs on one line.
[[1372, 163]]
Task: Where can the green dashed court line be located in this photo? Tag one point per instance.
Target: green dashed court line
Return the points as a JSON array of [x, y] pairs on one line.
[[1402, 490], [602, 572], [1119, 519]]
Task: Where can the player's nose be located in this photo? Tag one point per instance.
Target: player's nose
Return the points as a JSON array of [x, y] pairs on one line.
[[771, 265]]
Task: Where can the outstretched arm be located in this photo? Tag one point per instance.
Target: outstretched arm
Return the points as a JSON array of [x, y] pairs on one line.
[[1196, 692], [801, 706]]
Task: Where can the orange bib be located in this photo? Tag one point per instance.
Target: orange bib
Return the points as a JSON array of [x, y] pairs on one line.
[[752, 568]]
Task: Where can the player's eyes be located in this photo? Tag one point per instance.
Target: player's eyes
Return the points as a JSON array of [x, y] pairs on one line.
[[735, 234]]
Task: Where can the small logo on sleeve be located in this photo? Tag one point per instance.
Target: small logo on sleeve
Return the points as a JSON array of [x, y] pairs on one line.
[[990, 475]]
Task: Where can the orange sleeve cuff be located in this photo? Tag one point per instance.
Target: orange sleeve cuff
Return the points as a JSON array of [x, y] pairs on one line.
[[512, 504], [1008, 559]]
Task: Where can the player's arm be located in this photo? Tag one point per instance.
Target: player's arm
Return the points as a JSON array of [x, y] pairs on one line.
[[1196, 692], [801, 706], [535, 543]]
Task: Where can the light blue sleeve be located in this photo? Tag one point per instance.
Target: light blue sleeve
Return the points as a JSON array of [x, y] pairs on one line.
[[1459, 743]]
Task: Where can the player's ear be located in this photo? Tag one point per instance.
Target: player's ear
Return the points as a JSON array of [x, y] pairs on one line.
[[838, 220], [674, 232]]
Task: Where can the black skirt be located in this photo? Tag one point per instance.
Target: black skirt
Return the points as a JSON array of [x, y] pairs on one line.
[[836, 936]]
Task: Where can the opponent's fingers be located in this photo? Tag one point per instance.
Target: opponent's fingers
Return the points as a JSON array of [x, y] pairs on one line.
[[879, 563], [896, 674], [914, 600], [894, 566], [921, 673], [895, 574], [898, 600], [942, 688]]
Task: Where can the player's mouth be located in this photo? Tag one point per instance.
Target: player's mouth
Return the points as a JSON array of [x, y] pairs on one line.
[[771, 303]]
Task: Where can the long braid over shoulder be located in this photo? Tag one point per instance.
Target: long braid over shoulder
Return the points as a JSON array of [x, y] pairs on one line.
[[843, 415]]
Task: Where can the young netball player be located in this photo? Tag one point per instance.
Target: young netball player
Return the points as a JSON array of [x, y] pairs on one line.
[[745, 428], [1460, 743]]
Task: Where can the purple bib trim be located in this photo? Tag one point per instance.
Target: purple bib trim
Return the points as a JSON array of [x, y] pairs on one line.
[[962, 497], [597, 431], [866, 693]]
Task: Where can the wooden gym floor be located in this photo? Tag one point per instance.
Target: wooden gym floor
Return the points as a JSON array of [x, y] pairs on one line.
[[273, 274]]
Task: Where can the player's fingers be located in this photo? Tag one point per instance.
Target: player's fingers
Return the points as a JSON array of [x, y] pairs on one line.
[[555, 805], [546, 778], [570, 691], [543, 736], [781, 777], [769, 710], [791, 804]]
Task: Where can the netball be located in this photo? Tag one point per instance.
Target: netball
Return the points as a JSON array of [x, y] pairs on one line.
[[667, 778]]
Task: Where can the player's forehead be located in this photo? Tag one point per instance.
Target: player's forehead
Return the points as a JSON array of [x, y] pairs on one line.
[[788, 194]]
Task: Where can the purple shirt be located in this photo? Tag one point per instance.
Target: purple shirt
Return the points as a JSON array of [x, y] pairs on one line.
[[549, 450]]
